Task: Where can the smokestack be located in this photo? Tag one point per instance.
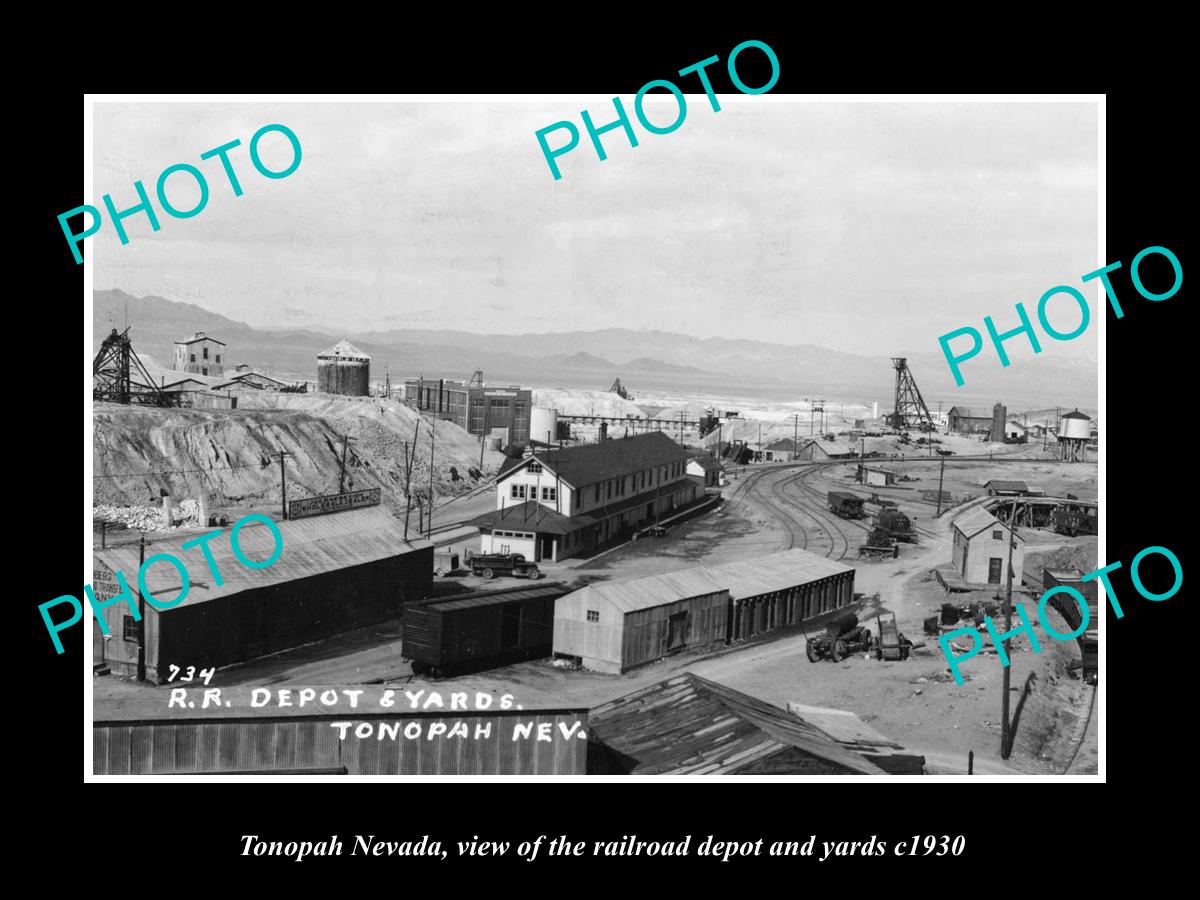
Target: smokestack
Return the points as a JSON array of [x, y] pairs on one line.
[[202, 508], [167, 510]]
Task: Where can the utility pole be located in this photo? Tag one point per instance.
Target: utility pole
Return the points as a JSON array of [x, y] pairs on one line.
[[795, 435], [342, 465], [281, 455], [429, 517], [941, 476], [1005, 728], [141, 658]]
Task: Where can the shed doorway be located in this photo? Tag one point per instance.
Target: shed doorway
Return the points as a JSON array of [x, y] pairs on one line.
[[677, 626]]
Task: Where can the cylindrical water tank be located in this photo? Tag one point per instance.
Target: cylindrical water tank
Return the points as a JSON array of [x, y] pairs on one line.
[[543, 424], [1075, 425], [344, 369]]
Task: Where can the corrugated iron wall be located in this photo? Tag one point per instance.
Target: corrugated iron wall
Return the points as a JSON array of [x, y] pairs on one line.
[[311, 743]]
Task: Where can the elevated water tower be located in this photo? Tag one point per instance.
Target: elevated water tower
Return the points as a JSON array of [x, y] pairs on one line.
[[1074, 431]]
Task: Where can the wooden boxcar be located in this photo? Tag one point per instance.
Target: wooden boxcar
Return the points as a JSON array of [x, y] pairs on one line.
[[846, 505], [480, 630]]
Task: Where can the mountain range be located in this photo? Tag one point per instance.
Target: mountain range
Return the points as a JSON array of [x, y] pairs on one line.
[[644, 360]]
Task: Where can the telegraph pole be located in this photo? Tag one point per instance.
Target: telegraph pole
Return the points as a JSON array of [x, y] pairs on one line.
[[342, 465], [1005, 727], [141, 658], [941, 476], [281, 455], [795, 435], [429, 517]]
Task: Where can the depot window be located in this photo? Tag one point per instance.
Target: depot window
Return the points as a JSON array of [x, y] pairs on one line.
[[549, 493], [998, 535], [593, 615], [535, 469], [518, 492], [132, 630]]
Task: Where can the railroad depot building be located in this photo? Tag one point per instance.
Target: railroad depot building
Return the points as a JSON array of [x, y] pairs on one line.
[[562, 502], [615, 626], [470, 730], [334, 573], [981, 548]]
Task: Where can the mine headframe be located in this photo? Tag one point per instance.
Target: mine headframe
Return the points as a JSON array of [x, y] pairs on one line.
[[118, 376]]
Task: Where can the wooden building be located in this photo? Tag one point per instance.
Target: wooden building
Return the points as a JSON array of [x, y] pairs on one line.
[[559, 503], [615, 626], [706, 469], [781, 590], [981, 547], [858, 737], [960, 420], [875, 476], [334, 573], [688, 725], [199, 354], [470, 731]]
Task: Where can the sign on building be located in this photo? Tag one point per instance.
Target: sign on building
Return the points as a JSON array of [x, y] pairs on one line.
[[331, 503]]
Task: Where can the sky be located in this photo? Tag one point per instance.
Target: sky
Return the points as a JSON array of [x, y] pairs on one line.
[[860, 227]]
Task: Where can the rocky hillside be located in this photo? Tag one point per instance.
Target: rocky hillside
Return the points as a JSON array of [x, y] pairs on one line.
[[141, 452]]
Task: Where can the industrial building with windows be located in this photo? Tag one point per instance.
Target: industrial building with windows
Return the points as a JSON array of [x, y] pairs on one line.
[[981, 546], [335, 573], [200, 355], [503, 413], [563, 502]]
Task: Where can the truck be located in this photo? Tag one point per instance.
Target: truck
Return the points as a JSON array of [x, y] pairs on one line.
[[489, 565]]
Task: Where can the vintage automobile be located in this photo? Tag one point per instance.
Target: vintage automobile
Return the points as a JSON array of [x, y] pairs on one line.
[[842, 637]]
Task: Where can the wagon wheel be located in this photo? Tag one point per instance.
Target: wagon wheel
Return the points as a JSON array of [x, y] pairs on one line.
[[489, 574], [813, 653], [840, 651]]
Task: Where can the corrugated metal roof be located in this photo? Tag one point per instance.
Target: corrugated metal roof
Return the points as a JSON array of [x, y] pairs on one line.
[[690, 725], [311, 546], [746, 578], [343, 350], [554, 589], [588, 463]]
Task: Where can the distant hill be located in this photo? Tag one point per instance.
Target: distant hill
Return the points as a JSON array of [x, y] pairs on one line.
[[656, 360]]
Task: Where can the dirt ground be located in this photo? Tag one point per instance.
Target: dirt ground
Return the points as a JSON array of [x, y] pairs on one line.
[[914, 702]]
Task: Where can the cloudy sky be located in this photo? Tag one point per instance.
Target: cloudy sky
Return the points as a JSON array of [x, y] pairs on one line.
[[856, 226]]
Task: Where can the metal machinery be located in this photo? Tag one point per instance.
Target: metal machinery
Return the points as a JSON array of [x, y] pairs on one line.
[[879, 544], [891, 645], [113, 372], [842, 637], [910, 409], [489, 565], [896, 525], [846, 505]]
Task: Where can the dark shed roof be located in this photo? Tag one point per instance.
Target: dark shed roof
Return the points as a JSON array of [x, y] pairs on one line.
[[529, 516], [690, 725], [588, 463], [554, 590], [1002, 485]]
